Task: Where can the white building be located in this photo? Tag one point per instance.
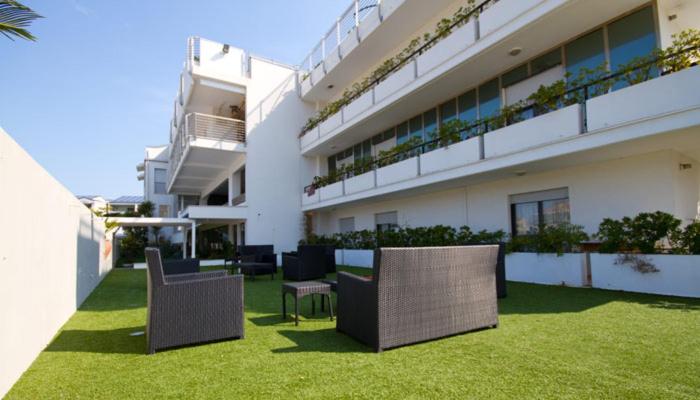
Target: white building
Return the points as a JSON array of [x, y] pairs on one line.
[[237, 158], [153, 171]]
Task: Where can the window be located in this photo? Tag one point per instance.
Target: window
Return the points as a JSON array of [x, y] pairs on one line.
[[546, 61], [467, 111], [402, 133], [347, 224], [630, 37], [585, 52], [429, 124], [529, 211], [489, 99], [386, 221], [163, 211], [159, 177], [514, 76]]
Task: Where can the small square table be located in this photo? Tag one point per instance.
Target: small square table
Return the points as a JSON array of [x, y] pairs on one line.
[[301, 289]]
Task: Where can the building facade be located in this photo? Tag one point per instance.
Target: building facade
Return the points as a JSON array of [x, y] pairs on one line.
[[153, 171], [243, 157]]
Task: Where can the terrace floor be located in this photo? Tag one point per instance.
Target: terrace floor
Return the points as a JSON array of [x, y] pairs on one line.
[[552, 342]]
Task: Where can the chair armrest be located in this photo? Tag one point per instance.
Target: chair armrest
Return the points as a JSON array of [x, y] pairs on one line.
[[195, 276], [358, 308]]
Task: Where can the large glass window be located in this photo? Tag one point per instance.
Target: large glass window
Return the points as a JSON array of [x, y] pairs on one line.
[[631, 37], [529, 211], [402, 133], [347, 224], [159, 178], [415, 127], [514, 76], [585, 52], [546, 61], [467, 111], [386, 221], [429, 123], [489, 99]]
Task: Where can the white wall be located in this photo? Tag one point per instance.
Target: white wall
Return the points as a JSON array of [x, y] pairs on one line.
[[53, 253], [274, 166], [158, 157], [614, 189], [687, 15]]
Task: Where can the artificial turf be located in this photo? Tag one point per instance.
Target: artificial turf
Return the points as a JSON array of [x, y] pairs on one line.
[[552, 342]]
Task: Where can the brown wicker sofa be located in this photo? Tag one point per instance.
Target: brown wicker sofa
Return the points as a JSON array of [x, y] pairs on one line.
[[419, 294], [191, 308]]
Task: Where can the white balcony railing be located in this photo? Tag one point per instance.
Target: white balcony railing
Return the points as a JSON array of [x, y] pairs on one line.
[[344, 26], [202, 126]]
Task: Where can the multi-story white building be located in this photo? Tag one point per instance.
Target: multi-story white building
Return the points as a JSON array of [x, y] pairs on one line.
[[237, 158], [153, 171]]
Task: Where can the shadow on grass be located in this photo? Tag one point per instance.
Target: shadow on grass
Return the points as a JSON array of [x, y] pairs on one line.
[[117, 341], [321, 341], [526, 298]]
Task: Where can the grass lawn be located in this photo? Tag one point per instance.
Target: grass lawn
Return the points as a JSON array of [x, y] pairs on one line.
[[552, 342]]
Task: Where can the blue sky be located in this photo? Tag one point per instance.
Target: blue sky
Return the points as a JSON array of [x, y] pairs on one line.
[[98, 84]]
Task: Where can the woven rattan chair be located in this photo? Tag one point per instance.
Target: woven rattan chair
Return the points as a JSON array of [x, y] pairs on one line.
[[191, 308], [308, 264], [419, 294]]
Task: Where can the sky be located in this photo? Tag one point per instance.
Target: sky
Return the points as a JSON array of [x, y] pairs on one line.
[[99, 84]]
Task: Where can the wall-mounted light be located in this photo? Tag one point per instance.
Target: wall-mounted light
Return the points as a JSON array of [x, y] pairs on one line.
[[330, 86], [225, 49], [515, 51], [684, 166], [672, 17]]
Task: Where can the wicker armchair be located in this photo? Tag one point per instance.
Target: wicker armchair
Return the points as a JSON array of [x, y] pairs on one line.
[[191, 308], [185, 266], [419, 294], [308, 263], [264, 253]]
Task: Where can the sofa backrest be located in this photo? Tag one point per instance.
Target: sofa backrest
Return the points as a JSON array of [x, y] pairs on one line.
[[256, 249], [434, 288], [312, 255], [154, 266]]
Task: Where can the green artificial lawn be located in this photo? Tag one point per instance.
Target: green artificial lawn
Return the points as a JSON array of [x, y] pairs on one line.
[[552, 342]]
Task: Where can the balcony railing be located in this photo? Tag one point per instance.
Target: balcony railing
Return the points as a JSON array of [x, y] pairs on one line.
[[579, 96], [344, 26], [202, 126]]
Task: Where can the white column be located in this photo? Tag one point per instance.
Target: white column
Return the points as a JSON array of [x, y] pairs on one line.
[[184, 242], [230, 190], [194, 239]]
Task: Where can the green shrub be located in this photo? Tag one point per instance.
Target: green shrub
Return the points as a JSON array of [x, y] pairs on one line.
[[645, 233], [687, 241], [559, 239]]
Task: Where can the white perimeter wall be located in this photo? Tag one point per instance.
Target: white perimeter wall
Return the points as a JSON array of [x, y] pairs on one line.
[[274, 165], [53, 253], [618, 188]]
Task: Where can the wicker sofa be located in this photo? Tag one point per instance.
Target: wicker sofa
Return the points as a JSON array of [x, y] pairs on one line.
[[308, 263], [191, 308], [419, 294]]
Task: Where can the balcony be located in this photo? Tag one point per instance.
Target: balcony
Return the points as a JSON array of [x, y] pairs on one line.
[[626, 122], [204, 148], [460, 61], [214, 73], [214, 214], [367, 31]]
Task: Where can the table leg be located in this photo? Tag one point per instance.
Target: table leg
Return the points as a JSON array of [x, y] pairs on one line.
[[330, 306], [322, 305], [284, 306], [313, 304], [296, 310]]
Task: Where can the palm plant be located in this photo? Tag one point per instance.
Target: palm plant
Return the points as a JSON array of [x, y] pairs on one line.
[[15, 18]]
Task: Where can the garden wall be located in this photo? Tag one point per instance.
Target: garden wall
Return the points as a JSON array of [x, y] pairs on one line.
[[53, 253]]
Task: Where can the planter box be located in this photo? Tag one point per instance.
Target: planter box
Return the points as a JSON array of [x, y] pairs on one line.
[[331, 191], [677, 276], [455, 155], [534, 132], [359, 183], [401, 171], [306, 85], [330, 124], [356, 258], [332, 59], [359, 105], [317, 74], [348, 44], [658, 96], [389, 6], [309, 137], [548, 269], [447, 48], [369, 23], [313, 199], [395, 82], [502, 13]]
